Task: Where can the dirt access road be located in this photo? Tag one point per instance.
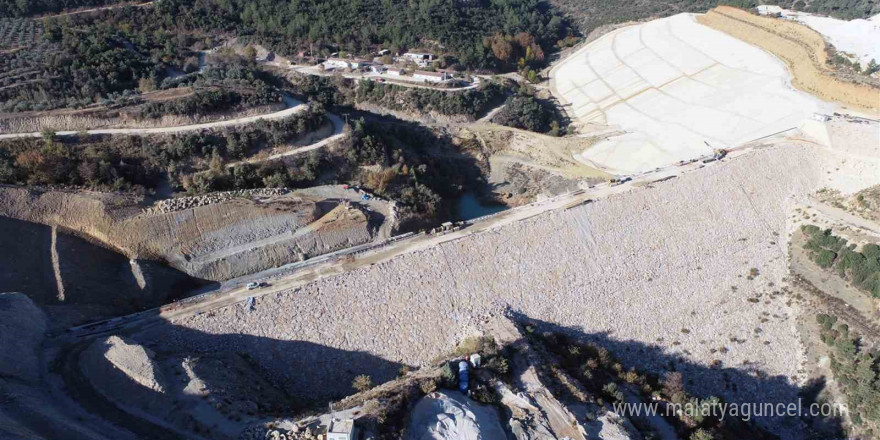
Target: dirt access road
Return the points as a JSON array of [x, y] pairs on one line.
[[104, 8], [294, 107], [338, 133]]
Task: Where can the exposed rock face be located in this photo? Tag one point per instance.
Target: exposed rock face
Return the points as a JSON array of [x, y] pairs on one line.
[[22, 328], [205, 238]]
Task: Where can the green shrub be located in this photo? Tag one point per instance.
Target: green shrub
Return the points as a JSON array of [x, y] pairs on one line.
[[825, 258], [362, 383]]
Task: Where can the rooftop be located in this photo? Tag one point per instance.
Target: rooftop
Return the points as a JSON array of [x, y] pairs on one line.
[[341, 426]]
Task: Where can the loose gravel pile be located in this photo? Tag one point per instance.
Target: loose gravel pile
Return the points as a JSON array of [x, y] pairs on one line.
[[181, 203]]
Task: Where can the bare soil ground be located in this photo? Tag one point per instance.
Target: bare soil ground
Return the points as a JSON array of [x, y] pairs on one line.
[[801, 48], [865, 203], [523, 166]]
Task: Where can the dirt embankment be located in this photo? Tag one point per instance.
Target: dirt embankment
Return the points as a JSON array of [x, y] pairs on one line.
[[801, 48], [214, 242]]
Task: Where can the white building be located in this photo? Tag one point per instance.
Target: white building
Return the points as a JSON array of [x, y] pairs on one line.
[[337, 63], [422, 59], [360, 63], [341, 430], [395, 71], [434, 77]]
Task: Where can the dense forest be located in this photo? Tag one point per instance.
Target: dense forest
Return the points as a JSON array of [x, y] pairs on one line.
[[362, 25], [105, 57], [844, 9], [88, 58], [111, 58]]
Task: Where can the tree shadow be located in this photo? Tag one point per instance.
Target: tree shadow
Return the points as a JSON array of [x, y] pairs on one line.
[[746, 385]]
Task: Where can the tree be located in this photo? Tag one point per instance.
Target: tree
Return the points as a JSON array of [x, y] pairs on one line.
[[702, 434], [250, 53], [146, 85], [872, 67], [362, 383]]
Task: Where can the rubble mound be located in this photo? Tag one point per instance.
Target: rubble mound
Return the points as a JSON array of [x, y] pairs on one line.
[[448, 415], [181, 203], [22, 326]]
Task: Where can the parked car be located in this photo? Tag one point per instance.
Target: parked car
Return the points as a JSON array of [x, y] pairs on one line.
[[252, 286]]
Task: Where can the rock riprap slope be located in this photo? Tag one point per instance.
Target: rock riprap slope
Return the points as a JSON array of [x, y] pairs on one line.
[[665, 270]]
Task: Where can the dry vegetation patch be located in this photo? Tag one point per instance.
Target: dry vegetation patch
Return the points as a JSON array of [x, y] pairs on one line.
[[801, 48]]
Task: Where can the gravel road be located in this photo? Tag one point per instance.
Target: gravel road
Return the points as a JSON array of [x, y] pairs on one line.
[[294, 107]]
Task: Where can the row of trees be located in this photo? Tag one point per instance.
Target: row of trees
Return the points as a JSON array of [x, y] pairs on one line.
[[210, 101], [832, 252], [857, 371], [472, 102]]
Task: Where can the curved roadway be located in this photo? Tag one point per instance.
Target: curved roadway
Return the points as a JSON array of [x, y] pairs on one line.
[[294, 106]]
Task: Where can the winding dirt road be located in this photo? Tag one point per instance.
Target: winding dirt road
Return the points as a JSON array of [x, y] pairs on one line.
[[294, 107], [338, 133]]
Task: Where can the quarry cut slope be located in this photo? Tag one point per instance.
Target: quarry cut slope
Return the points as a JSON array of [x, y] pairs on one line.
[[664, 267], [679, 89], [216, 241]]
